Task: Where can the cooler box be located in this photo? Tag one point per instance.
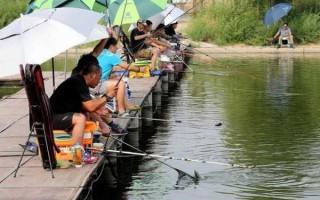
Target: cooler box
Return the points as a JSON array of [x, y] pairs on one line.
[[144, 74], [65, 141]]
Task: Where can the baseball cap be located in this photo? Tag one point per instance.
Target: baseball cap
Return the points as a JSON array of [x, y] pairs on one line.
[[142, 21]]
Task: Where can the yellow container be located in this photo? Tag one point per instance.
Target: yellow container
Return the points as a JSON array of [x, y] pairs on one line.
[[144, 74], [63, 139]]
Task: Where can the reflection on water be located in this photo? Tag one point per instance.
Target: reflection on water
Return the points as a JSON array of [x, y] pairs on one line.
[[269, 110]]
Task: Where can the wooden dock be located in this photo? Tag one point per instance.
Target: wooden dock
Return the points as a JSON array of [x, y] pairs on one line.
[[32, 181]]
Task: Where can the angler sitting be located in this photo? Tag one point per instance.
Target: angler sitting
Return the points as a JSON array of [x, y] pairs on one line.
[[170, 30], [71, 100], [140, 40], [284, 33]]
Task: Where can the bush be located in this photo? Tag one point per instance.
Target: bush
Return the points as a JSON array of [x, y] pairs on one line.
[[11, 10], [306, 27]]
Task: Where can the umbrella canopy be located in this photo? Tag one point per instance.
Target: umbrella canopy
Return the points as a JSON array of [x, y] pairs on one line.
[[95, 5], [129, 11], [276, 12], [39, 36], [169, 15]]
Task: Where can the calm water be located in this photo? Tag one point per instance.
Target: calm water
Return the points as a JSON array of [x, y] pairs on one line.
[[270, 114]]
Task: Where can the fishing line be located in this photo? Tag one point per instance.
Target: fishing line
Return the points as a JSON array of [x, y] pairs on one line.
[[180, 172]]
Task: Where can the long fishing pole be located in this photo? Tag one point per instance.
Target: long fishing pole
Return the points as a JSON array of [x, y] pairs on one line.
[[225, 66], [180, 172], [147, 118], [185, 63], [156, 119], [182, 159]]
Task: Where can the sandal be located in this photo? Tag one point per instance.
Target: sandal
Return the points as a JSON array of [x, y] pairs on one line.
[[124, 114], [134, 108]]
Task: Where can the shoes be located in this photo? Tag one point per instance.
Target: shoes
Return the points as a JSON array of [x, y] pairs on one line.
[[134, 108], [117, 128], [278, 46], [30, 146], [124, 114]]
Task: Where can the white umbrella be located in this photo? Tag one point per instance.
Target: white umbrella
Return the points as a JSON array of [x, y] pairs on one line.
[[168, 16], [39, 36], [98, 32]]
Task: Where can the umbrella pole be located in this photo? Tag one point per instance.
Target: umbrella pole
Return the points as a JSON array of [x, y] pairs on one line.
[[107, 13], [65, 65], [53, 78]]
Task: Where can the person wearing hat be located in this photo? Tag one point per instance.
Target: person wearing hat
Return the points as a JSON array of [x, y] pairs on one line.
[[139, 41], [170, 30]]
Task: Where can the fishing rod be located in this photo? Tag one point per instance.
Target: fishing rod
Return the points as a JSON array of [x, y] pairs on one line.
[[147, 118], [225, 66], [180, 172], [156, 119], [192, 71], [182, 159]]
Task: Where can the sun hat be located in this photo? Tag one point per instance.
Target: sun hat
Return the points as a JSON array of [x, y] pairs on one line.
[[142, 21]]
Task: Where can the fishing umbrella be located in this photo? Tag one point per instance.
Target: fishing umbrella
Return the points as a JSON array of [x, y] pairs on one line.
[[39, 36], [129, 11], [276, 12], [95, 5], [169, 15]]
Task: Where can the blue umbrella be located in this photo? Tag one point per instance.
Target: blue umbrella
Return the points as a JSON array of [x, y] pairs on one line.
[[276, 12]]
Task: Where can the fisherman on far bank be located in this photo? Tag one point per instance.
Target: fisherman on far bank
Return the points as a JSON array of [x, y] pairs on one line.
[[284, 32]]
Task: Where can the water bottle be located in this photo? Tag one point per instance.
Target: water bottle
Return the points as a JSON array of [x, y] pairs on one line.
[[78, 155], [127, 88]]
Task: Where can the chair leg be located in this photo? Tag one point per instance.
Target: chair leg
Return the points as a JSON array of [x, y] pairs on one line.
[[25, 147], [24, 150]]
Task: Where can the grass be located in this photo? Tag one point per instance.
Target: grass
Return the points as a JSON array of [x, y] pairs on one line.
[[8, 91]]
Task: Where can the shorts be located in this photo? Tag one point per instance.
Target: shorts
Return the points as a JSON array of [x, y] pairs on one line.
[[100, 89], [144, 53], [62, 121]]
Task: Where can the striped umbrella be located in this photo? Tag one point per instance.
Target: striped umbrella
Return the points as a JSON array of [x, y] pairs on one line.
[[95, 5], [129, 11]]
